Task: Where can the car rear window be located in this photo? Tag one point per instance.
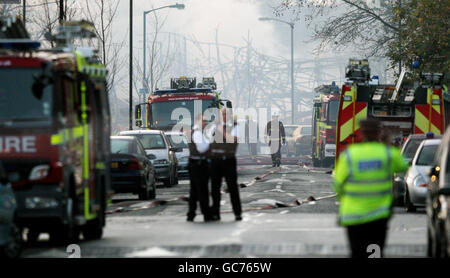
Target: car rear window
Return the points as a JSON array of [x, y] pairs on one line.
[[151, 141], [411, 148], [306, 130], [178, 141], [289, 130], [120, 146], [426, 156]]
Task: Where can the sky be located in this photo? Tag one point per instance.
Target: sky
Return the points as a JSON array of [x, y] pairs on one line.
[[235, 20]]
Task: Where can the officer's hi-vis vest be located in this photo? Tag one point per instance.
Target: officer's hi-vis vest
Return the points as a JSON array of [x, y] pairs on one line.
[[365, 193], [193, 152], [223, 149]]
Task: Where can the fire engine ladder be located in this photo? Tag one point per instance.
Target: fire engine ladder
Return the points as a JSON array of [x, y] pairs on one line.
[[398, 86]]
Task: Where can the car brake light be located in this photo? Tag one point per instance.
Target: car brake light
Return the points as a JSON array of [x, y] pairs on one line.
[[134, 164], [423, 185]]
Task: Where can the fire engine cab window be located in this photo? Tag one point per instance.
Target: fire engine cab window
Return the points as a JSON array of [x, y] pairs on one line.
[[162, 111], [333, 111], [16, 96]]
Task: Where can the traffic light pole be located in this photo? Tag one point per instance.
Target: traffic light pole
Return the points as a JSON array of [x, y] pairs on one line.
[[61, 11]]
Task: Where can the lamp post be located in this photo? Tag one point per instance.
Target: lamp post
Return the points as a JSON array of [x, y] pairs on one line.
[[130, 92], [292, 60], [144, 79]]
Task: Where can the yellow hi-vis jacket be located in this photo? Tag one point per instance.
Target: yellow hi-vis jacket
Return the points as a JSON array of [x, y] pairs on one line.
[[363, 181]]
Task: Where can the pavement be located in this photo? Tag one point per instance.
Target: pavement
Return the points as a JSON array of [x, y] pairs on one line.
[[289, 211]]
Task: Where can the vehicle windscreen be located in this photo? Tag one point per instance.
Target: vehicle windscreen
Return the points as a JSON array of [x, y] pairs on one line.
[[306, 130], [411, 148], [178, 141], [151, 141], [16, 97], [121, 146], [289, 130], [161, 112], [333, 108], [426, 156]]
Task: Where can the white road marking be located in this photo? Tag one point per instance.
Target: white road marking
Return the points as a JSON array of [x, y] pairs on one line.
[[152, 252], [312, 229]]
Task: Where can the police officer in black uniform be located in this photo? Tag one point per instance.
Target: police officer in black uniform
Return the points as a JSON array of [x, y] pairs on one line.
[[223, 164], [198, 169]]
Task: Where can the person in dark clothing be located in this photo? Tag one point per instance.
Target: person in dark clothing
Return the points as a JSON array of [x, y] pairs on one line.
[[276, 136], [198, 170], [223, 165]]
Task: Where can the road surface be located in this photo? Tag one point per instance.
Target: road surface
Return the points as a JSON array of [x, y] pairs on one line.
[[289, 211]]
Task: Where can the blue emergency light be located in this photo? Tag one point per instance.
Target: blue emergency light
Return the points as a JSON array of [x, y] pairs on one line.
[[183, 91], [19, 44]]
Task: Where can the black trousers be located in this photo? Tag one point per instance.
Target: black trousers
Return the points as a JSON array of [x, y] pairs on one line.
[[361, 236], [224, 168], [276, 156], [198, 176]]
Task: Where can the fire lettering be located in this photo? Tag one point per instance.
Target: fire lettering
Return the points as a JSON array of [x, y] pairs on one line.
[[13, 144]]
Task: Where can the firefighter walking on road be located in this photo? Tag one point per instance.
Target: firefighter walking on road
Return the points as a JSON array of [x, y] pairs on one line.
[[198, 169], [223, 165], [363, 183], [276, 136]]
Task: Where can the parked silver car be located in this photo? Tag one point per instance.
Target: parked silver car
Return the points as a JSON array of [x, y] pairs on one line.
[[179, 140], [409, 149], [10, 233], [156, 142], [416, 178]]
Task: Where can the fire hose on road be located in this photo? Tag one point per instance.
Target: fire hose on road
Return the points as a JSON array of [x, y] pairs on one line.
[[274, 205]]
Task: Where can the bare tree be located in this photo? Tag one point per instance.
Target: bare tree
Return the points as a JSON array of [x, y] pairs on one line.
[[102, 13], [160, 55], [5, 10], [44, 18], [368, 26]]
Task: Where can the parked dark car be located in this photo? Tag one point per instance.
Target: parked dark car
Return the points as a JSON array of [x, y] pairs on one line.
[[409, 150], [10, 234], [155, 142], [438, 202], [131, 168]]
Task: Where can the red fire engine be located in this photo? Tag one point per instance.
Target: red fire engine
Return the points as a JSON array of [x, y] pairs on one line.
[[326, 104], [166, 108], [403, 109], [55, 128]]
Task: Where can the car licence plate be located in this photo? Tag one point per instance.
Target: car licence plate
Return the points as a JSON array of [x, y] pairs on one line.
[[114, 164]]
